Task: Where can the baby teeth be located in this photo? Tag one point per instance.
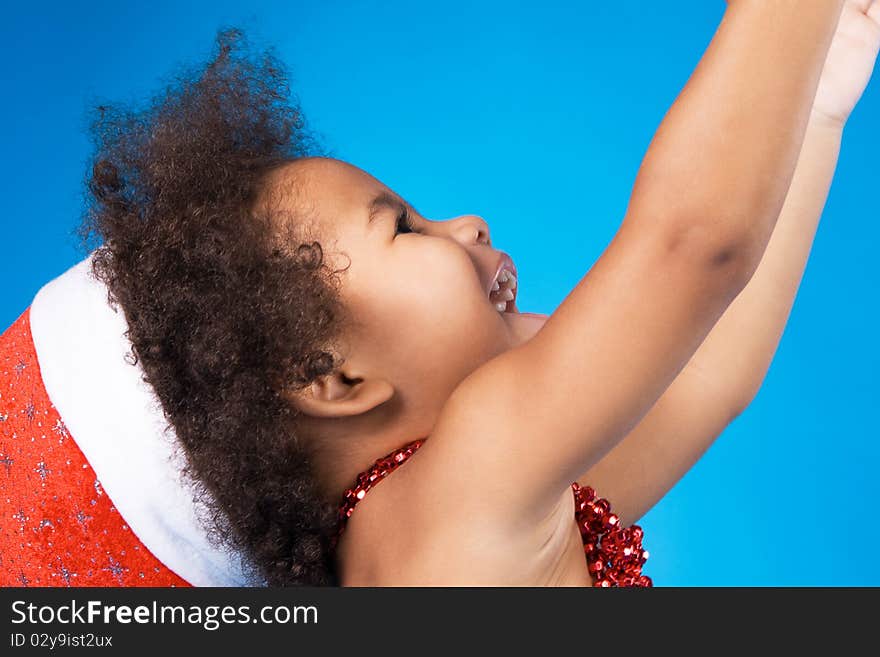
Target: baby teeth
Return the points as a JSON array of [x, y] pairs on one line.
[[506, 283], [504, 277]]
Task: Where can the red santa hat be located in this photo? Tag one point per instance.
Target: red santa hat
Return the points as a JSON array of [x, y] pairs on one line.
[[91, 484]]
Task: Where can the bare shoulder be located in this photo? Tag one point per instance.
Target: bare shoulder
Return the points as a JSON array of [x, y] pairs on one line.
[[414, 529]]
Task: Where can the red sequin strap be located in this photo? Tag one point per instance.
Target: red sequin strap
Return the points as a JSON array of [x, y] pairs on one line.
[[614, 554], [369, 478]]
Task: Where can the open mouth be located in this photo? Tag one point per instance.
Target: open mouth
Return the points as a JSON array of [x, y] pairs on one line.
[[502, 295]]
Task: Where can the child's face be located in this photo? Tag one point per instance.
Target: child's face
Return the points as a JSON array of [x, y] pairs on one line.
[[420, 302]]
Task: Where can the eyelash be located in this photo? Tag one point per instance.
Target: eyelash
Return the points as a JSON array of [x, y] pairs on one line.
[[404, 221]]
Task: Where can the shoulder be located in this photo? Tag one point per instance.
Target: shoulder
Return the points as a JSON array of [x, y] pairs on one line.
[[416, 530]]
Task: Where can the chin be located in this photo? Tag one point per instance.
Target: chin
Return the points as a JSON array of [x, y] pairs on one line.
[[523, 326]]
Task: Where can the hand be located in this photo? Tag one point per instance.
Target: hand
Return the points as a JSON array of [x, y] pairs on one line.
[[850, 61]]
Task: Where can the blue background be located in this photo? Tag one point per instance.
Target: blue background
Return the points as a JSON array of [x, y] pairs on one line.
[[535, 116]]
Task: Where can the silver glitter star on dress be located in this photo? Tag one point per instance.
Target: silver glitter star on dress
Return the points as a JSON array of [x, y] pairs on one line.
[[21, 517], [7, 461], [116, 568], [63, 572], [61, 430], [82, 518], [19, 367], [42, 470]]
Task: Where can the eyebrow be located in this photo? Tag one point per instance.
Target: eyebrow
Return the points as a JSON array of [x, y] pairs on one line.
[[385, 200]]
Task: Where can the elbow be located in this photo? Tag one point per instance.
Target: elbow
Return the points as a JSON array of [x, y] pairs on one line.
[[728, 256], [747, 394], [737, 408]]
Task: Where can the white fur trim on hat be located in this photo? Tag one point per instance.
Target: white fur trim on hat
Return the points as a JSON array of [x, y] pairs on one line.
[[117, 421]]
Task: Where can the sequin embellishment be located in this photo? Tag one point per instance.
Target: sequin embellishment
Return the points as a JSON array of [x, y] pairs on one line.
[[368, 478], [614, 554]]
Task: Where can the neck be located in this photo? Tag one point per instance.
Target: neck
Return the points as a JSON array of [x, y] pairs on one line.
[[345, 447]]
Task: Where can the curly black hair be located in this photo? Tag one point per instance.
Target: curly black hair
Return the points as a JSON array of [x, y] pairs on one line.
[[225, 312]]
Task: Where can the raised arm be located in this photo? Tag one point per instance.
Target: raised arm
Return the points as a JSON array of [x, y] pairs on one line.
[[727, 370], [703, 207]]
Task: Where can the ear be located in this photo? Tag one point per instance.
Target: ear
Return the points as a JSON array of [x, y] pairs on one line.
[[336, 395]]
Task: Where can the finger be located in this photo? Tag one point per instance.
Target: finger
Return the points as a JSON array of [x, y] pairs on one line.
[[874, 11]]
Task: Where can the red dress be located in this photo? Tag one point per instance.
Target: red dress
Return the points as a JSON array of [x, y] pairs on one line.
[[614, 554]]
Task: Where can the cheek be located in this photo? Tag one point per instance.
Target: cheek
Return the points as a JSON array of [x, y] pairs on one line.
[[444, 345], [432, 320], [454, 333], [448, 302]]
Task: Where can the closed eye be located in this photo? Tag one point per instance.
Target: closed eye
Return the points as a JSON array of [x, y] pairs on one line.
[[404, 222]]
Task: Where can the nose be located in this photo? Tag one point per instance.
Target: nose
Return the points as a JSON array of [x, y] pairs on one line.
[[469, 229]]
